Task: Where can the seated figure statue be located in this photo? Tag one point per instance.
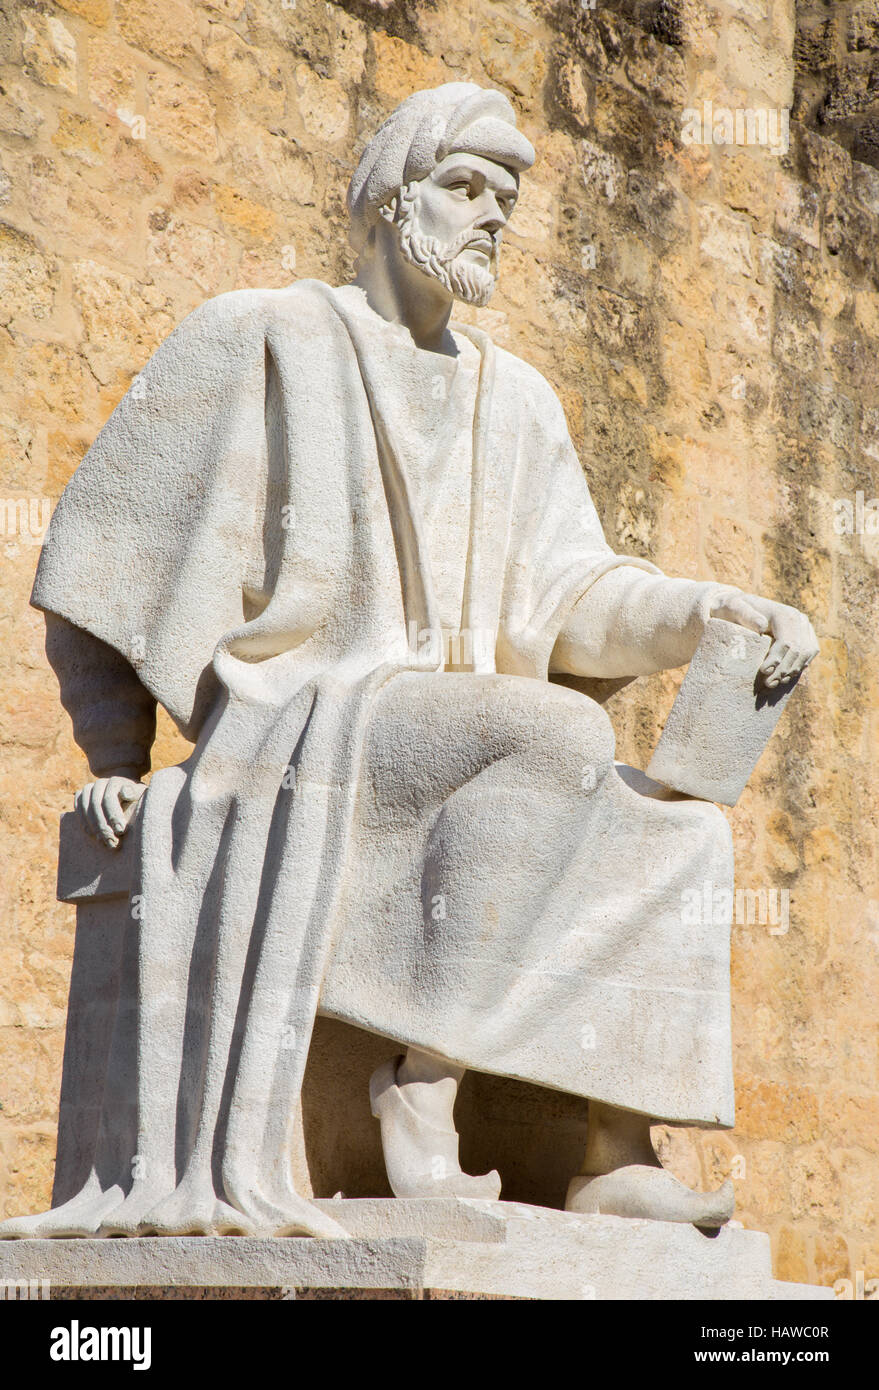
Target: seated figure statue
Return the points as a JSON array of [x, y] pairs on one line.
[[347, 544]]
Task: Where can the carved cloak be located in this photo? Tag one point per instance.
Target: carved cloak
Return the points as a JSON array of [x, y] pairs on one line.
[[244, 533]]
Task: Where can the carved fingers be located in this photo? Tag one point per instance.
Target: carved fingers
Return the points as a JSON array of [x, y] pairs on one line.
[[794, 642], [737, 607], [105, 806]]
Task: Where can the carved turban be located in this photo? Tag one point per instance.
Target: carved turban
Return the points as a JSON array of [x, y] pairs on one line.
[[457, 117]]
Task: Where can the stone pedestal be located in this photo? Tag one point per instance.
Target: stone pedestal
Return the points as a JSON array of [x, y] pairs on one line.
[[422, 1249]]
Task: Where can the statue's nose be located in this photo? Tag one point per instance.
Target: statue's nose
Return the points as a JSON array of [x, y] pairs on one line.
[[492, 223]]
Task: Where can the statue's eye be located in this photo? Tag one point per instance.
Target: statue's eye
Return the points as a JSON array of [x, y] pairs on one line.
[[462, 186]]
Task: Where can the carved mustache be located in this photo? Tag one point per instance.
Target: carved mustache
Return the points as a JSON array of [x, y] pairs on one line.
[[481, 243], [473, 241]]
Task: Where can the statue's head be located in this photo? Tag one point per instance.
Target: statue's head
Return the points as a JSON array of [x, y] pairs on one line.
[[443, 174]]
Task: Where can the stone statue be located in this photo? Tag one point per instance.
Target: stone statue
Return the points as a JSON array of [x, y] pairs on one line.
[[348, 545]]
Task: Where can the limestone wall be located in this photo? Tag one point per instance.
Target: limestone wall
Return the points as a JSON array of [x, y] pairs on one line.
[[837, 56], [710, 318]]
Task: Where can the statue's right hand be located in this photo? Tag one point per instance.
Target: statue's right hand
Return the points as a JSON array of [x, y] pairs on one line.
[[106, 806]]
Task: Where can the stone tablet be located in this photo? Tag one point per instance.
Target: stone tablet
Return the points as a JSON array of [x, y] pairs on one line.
[[722, 719]]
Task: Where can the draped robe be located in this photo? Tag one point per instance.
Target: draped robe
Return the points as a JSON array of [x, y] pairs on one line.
[[246, 532]]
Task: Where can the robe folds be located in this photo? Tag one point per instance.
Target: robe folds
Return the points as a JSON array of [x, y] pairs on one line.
[[452, 859]]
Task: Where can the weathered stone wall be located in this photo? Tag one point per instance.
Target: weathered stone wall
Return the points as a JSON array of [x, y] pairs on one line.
[[837, 55], [710, 318]]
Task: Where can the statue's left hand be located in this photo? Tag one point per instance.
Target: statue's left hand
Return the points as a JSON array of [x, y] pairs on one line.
[[105, 806], [794, 642]]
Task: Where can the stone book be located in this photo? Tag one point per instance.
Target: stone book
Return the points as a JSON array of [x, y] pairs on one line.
[[722, 718]]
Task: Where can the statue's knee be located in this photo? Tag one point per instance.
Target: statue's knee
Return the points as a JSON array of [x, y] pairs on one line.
[[572, 743]]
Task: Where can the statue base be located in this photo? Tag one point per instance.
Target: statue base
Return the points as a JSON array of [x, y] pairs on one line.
[[437, 1249]]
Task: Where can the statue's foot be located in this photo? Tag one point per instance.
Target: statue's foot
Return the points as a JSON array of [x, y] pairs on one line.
[[651, 1194], [175, 1215], [191, 1210], [292, 1215], [419, 1142], [81, 1216]]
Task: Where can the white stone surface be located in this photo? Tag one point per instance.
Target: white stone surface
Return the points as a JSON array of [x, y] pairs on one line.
[[490, 1248], [87, 870], [722, 718]]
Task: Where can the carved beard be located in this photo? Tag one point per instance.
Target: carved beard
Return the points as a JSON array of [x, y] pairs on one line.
[[473, 284]]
